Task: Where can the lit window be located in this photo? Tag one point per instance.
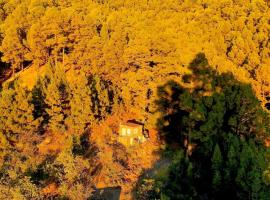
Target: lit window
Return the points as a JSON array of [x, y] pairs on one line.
[[123, 131], [135, 131], [128, 131]]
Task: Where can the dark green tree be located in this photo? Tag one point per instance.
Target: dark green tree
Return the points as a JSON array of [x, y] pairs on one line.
[[221, 126], [180, 183], [216, 167]]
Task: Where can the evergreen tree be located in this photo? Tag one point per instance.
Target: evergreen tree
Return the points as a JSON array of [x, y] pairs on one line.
[[216, 167], [38, 97], [227, 127], [56, 98], [17, 116], [38, 100], [102, 97], [231, 160], [180, 183], [81, 113], [7, 95]]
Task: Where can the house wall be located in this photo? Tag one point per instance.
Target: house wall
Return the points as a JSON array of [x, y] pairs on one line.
[[129, 131], [128, 135], [126, 141]]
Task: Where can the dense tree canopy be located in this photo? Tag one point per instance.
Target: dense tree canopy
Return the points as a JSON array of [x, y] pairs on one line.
[[147, 39], [220, 129], [82, 67]]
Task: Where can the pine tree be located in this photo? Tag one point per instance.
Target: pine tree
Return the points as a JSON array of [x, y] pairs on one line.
[[232, 160], [56, 98], [181, 178], [81, 113], [38, 99], [101, 97], [216, 167], [6, 99], [227, 125], [4, 147], [18, 116], [23, 119]]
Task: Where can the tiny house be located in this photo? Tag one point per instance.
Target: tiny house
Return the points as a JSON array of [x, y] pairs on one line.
[[131, 133]]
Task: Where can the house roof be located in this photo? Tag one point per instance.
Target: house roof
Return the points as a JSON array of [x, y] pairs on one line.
[[130, 124]]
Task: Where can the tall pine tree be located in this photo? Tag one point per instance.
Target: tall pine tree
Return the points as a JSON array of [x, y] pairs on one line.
[[227, 127], [17, 109], [81, 106], [56, 98]]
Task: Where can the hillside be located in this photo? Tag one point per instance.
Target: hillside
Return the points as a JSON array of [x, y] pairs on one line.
[[193, 75]]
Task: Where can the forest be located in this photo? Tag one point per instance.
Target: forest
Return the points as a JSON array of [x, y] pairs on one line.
[[194, 74]]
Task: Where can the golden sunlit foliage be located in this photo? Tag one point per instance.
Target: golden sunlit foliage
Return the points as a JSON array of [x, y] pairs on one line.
[[79, 63], [145, 39]]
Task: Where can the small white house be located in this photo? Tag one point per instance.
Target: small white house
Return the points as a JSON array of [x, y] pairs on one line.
[[131, 133]]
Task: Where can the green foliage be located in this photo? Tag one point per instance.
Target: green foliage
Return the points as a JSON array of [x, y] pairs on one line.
[[146, 191], [180, 183], [216, 167], [221, 128]]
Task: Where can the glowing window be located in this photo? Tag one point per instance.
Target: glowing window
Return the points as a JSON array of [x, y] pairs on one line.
[[124, 131], [128, 131]]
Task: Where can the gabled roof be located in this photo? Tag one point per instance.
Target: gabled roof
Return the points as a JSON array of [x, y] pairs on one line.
[[130, 124]]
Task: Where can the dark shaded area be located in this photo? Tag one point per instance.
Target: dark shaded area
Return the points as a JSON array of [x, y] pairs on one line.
[[39, 176], [109, 193], [267, 105], [173, 115], [98, 28], [82, 144], [215, 129], [145, 187], [26, 63], [134, 121], [101, 88], [120, 154], [152, 64], [5, 71]]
